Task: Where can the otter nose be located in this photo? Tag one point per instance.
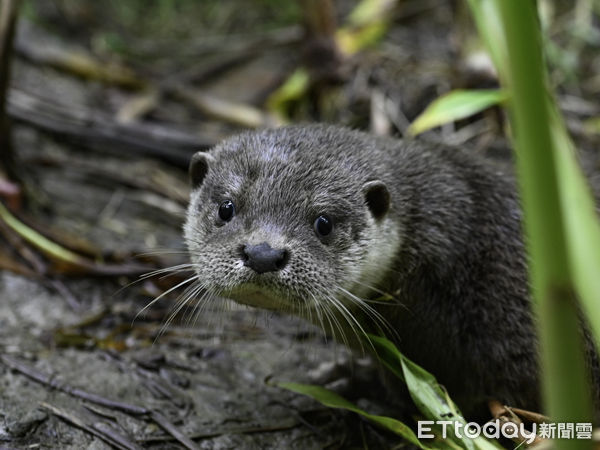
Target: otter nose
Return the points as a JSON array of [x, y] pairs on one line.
[[263, 258]]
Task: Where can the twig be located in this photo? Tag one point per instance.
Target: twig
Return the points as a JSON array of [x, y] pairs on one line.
[[8, 262], [153, 180], [53, 382], [98, 429], [79, 63], [218, 108], [174, 431], [149, 100], [17, 243], [529, 415], [283, 425], [66, 294], [505, 415]]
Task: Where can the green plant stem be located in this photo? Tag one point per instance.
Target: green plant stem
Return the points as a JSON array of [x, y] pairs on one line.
[[564, 375]]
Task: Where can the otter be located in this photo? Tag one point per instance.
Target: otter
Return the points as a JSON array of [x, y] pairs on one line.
[[358, 234]]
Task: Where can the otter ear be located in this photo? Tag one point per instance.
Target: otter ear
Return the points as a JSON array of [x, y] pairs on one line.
[[377, 198], [199, 165]]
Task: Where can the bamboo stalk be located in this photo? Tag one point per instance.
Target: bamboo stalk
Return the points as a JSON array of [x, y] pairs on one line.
[[532, 114]]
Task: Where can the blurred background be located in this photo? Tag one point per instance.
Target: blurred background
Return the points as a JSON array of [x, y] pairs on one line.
[[102, 105]]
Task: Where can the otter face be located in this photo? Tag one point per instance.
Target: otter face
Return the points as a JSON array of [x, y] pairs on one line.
[[285, 220]]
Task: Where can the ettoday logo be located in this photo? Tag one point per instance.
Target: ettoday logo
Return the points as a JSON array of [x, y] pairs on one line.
[[497, 429]]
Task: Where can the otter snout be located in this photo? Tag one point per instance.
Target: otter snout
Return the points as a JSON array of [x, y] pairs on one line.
[[263, 258]]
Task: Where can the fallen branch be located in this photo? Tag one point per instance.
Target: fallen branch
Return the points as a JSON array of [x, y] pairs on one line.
[[99, 130]]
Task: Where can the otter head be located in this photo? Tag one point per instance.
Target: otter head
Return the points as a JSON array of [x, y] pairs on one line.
[[294, 219]]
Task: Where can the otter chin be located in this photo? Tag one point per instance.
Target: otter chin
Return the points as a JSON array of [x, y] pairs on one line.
[[257, 296], [324, 222]]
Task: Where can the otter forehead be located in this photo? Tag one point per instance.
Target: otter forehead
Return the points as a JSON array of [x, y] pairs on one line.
[[276, 169], [296, 147]]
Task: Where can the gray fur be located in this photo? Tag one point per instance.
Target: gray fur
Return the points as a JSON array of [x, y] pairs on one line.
[[449, 249]]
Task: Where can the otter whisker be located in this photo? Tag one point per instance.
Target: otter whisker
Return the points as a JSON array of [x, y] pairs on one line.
[[163, 251], [201, 304], [378, 320], [212, 296], [168, 291], [309, 311], [353, 322], [304, 310], [349, 318], [174, 269], [392, 298], [318, 307], [332, 320], [168, 270], [183, 300]]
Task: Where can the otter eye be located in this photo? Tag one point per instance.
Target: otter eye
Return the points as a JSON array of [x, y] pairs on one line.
[[226, 210], [323, 225]]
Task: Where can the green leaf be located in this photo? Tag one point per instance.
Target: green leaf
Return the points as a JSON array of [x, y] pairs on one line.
[[455, 105], [351, 41], [333, 400], [369, 11], [581, 224], [292, 89], [487, 18], [433, 401], [365, 26]]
